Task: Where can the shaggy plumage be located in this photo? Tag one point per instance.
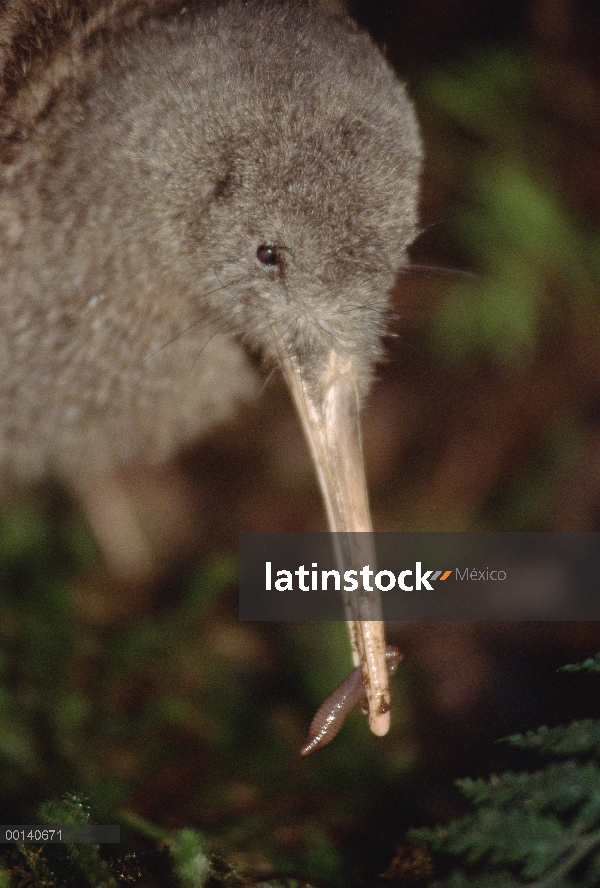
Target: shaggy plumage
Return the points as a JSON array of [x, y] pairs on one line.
[[148, 150]]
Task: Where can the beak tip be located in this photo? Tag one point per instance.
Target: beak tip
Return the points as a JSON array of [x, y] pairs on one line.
[[380, 723]]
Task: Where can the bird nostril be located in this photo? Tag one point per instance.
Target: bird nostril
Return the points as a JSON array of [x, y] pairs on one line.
[[267, 254]]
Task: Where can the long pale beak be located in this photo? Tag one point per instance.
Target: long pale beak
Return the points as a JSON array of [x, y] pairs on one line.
[[330, 419]]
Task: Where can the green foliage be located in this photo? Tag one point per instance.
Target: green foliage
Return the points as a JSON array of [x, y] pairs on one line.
[[63, 865], [172, 859], [538, 829], [579, 738], [191, 863], [592, 664], [540, 264], [175, 708]]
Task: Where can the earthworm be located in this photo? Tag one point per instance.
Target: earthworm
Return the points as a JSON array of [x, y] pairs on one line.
[[332, 714]]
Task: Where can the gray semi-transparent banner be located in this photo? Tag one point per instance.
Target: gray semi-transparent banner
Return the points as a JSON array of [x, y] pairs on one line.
[[422, 576]]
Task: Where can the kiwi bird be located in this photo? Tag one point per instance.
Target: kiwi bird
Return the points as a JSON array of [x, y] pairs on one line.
[[183, 187]]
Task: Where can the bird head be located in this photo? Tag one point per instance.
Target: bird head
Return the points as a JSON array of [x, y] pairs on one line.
[[309, 202]]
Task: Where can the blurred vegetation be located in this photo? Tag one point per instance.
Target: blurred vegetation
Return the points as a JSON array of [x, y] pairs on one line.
[[539, 263], [171, 859], [538, 829], [501, 427], [182, 714]]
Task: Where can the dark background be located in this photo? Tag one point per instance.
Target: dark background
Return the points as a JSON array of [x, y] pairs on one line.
[[128, 676]]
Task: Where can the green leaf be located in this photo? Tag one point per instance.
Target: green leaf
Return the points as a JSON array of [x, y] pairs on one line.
[[592, 664], [578, 738], [191, 864], [531, 828]]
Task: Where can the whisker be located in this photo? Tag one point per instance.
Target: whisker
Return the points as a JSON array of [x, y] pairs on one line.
[[225, 323], [210, 338], [223, 286], [268, 379], [326, 333], [174, 339], [447, 219], [199, 321], [437, 271]]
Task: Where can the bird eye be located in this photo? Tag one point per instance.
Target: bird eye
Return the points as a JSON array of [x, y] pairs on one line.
[[267, 254]]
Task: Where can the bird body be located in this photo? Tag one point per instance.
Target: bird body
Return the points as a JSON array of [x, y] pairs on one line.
[[184, 187], [131, 209]]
